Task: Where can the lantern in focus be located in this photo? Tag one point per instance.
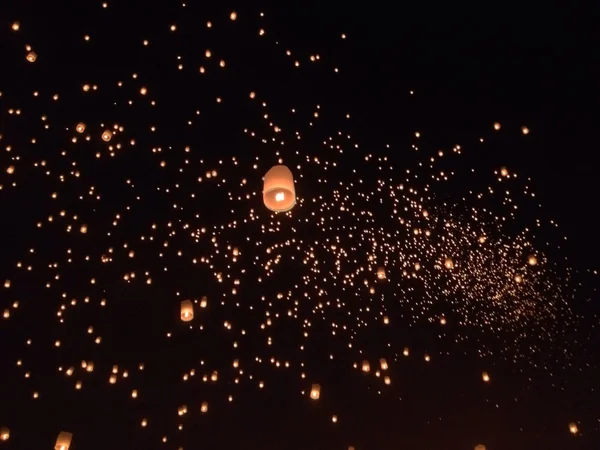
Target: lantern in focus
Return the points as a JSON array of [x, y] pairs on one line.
[[279, 194], [31, 56], [80, 127], [4, 434], [573, 428], [187, 310], [107, 135], [63, 441], [315, 391], [381, 273]]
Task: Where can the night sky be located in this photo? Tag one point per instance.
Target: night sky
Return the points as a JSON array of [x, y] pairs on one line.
[[436, 280]]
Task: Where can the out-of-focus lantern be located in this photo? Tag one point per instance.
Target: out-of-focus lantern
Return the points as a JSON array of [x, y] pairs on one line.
[[63, 441], [31, 56], [479, 447], [448, 263], [279, 194], [532, 260], [387, 380], [187, 310], [366, 367], [383, 363], [204, 407], [573, 428], [381, 273], [386, 320], [485, 377], [80, 127], [107, 135], [315, 391], [203, 302], [4, 434]]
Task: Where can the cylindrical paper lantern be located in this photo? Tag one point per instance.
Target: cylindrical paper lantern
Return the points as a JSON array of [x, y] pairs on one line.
[[315, 392], [187, 310], [279, 194], [63, 442]]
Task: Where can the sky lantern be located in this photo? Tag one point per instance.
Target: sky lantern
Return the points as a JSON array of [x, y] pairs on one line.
[[4, 434], [80, 127], [107, 135], [63, 441], [31, 56], [573, 428], [315, 391], [448, 263], [203, 302], [479, 447], [366, 367], [204, 407], [406, 351], [381, 273], [279, 194], [532, 260], [485, 377], [187, 310], [383, 363], [387, 380]]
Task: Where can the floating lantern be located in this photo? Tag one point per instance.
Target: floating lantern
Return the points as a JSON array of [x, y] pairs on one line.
[[406, 351], [187, 310], [573, 428], [315, 391], [383, 363], [387, 380], [4, 434], [63, 442], [381, 273], [31, 56], [485, 377], [279, 194], [80, 127], [386, 320], [366, 367], [107, 135], [479, 447], [204, 407], [497, 126], [448, 263], [532, 260], [203, 302]]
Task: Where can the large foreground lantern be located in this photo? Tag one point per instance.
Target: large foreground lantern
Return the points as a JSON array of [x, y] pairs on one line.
[[63, 441], [279, 194], [187, 310], [4, 434]]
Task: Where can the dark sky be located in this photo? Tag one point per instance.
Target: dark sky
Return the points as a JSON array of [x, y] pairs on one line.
[[467, 68]]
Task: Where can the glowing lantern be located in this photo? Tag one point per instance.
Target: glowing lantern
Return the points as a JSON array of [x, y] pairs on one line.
[[203, 302], [485, 377], [315, 391], [107, 135], [187, 310], [80, 127], [518, 278], [387, 380], [4, 434], [406, 351], [532, 260], [386, 320], [383, 363], [279, 194], [479, 447], [443, 321], [524, 130], [366, 367], [448, 263], [63, 442], [31, 56], [381, 273], [497, 126], [573, 428], [204, 407]]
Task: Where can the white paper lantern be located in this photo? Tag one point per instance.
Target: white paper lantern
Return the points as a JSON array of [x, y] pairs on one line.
[[187, 310], [279, 194]]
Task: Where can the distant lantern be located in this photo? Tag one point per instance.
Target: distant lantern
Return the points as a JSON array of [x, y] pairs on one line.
[[187, 310], [366, 367], [204, 407], [279, 194], [479, 447], [203, 302], [497, 126], [381, 273], [4, 434], [524, 130], [383, 363], [485, 377], [448, 263], [107, 135], [443, 320], [504, 171], [31, 56], [80, 127], [573, 428], [63, 442], [532, 260], [386, 320], [518, 278], [387, 380], [315, 391], [406, 351]]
